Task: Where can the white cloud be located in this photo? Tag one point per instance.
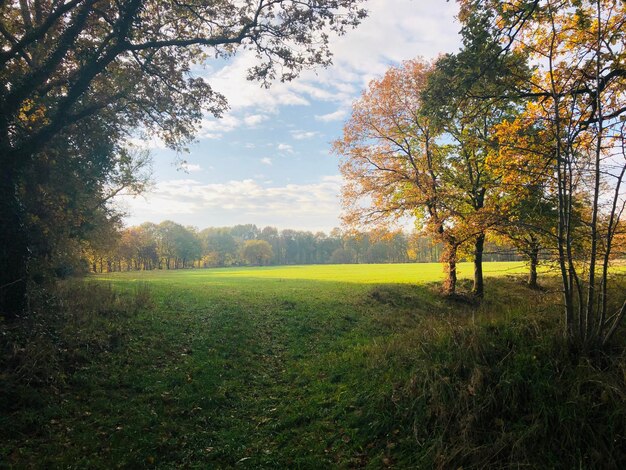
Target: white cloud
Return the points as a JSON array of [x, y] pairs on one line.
[[146, 142], [241, 93], [255, 119], [209, 135], [330, 117], [213, 128], [303, 135], [313, 206], [285, 148], [191, 167], [395, 30], [266, 161]]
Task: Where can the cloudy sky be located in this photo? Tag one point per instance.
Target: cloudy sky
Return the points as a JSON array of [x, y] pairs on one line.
[[268, 161]]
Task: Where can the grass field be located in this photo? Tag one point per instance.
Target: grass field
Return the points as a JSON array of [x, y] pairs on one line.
[[352, 273], [293, 367]]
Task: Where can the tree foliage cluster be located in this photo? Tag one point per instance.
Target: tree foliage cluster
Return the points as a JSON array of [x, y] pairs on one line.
[[79, 77], [519, 136]]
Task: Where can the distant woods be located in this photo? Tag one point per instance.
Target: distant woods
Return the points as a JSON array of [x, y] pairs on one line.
[[169, 245]]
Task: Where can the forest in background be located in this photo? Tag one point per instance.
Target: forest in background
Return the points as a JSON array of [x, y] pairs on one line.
[[169, 245]]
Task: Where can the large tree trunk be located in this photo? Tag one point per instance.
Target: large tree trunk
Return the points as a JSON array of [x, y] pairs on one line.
[[479, 286]]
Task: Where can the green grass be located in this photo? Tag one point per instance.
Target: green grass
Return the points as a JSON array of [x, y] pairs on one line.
[[305, 367], [351, 273]]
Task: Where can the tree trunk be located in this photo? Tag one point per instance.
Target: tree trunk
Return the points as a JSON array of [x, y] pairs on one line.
[[449, 255], [534, 262], [479, 286]]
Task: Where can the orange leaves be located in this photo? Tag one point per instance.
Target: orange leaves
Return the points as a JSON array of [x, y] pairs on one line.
[[521, 157], [386, 148], [31, 115]]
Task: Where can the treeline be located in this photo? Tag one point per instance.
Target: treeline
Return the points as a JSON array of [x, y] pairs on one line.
[[169, 245]]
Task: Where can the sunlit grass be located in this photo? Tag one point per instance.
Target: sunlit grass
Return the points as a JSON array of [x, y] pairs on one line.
[[410, 273]]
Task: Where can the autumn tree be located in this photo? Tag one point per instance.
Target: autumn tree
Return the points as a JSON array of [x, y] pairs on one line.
[[391, 159], [528, 206], [101, 246], [123, 65], [147, 249], [578, 92], [129, 247], [465, 99], [417, 144], [528, 224]]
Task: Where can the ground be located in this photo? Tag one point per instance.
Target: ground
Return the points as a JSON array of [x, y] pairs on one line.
[[279, 367]]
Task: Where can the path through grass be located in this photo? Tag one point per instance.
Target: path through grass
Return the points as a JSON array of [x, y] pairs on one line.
[[285, 367]]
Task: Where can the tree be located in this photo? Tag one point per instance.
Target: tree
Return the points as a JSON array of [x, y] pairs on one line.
[[465, 100], [324, 247], [528, 209], [578, 99], [270, 235], [75, 63], [392, 159], [290, 249], [188, 246], [101, 247], [176, 245], [147, 249], [257, 252], [528, 224], [219, 246], [342, 256]]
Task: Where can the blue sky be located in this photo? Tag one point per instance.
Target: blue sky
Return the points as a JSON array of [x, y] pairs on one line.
[[268, 161]]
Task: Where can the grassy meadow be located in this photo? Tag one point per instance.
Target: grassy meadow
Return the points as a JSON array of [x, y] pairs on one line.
[[328, 366]]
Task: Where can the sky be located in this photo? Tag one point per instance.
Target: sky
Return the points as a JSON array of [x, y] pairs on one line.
[[268, 160]]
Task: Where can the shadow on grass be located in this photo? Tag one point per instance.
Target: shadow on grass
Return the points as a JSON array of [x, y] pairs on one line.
[[301, 373]]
